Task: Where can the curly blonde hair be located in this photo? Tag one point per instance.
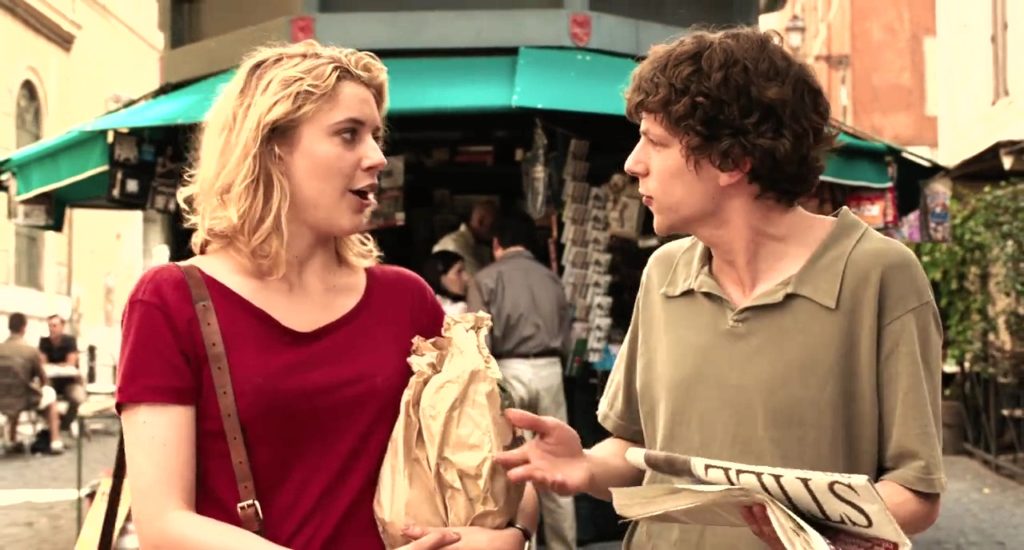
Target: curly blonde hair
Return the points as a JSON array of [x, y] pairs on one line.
[[236, 193]]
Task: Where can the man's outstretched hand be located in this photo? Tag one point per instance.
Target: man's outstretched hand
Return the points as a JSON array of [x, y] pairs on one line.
[[553, 460]]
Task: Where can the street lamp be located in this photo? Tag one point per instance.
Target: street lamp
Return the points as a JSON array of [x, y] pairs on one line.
[[795, 30], [1011, 156]]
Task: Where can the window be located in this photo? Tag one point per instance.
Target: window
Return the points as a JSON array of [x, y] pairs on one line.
[[28, 250], [29, 122], [183, 22], [28, 242], [1000, 86]]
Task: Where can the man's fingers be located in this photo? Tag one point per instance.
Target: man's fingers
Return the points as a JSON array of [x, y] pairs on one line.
[[528, 421], [512, 459], [755, 526], [529, 473], [766, 531], [524, 473], [761, 513], [558, 484], [553, 482]]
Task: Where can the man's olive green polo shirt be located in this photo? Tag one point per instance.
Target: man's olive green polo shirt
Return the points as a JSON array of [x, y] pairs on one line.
[[836, 368]]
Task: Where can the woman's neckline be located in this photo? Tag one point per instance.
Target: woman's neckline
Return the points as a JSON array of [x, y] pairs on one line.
[[337, 322]]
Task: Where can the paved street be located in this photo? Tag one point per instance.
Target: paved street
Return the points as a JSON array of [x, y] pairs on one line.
[[982, 511], [47, 520]]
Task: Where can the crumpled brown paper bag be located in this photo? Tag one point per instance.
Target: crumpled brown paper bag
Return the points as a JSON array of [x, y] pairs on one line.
[[439, 470]]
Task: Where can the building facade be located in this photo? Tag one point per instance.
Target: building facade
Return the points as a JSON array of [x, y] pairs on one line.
[[206, 36], [874, 60], [979, 87], [71, 61], [943, 78]]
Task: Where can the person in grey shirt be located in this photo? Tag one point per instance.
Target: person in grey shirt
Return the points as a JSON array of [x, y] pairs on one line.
[[532, 320]]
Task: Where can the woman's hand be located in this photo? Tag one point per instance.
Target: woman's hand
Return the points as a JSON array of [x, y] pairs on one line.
[[470, 538], [437, 538]]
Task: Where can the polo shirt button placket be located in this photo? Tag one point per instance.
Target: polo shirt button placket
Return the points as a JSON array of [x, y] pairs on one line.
[[735, 320]]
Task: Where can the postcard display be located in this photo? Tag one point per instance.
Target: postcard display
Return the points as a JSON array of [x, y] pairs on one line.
[[586, 257], [390, 210], [146, 172]]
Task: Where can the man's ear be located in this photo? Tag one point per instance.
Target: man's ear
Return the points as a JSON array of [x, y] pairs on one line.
[[737, 175]]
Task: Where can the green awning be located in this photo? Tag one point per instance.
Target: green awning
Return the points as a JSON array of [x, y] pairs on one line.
[[55, 164], [186, 105], [572, 80], [531, 78], [859, 163], [81, 154], [589, 82], [442, 85], [847, 142], [534, 78]]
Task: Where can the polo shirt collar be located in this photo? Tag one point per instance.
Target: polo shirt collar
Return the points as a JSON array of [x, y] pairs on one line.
[[516, 254], [820, 279], [683, 276]]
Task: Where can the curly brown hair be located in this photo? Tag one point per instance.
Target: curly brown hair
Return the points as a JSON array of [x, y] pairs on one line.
[[737, 95]]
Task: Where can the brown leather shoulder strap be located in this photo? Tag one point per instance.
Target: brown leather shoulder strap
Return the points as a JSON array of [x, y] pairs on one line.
[[249, 509], [107, 535]]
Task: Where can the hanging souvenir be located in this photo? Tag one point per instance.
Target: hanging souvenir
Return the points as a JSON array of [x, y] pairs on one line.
[[869, 206], [535, 174], [936, 198]]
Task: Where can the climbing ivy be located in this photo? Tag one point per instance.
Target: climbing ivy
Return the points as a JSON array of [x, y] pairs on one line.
[[979, 278]]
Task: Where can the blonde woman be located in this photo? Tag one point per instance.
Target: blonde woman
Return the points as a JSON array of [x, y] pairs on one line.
[[316, 331]]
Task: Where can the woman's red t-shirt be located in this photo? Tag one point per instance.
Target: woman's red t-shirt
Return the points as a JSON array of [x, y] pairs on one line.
[[317, 408]]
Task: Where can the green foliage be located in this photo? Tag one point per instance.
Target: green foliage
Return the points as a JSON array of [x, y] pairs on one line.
[[985, 260]]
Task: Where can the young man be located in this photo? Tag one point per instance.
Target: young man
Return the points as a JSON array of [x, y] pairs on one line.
[[771, 336], [21, 360], [62, 349], [531, 323]]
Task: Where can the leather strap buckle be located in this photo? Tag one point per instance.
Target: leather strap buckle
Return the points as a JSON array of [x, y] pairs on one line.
[[251, 504]]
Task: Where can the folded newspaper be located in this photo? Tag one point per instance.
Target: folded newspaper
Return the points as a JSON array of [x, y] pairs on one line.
[[439, 470], [809, 510]]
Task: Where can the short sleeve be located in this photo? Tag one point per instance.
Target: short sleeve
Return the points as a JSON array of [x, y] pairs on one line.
[[156, 364], [619, 409], [910, 369], [72, 344], [430, 315]]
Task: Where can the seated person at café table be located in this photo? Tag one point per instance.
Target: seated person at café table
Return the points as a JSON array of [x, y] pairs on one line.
[[61, 350], [29, 390]]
